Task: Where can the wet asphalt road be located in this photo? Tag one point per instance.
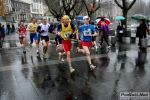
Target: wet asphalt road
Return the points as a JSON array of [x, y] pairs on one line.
[[122, 69]]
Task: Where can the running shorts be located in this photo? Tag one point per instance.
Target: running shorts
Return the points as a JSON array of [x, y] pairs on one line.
[[93, 38], [85, 43], [21, 36], [33, 36], [66, 45], [46, 38]]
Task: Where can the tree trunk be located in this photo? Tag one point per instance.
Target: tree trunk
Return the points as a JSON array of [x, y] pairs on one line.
[[125, 12]]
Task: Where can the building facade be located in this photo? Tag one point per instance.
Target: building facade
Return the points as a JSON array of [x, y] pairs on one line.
[[36, 8], [18, 10]]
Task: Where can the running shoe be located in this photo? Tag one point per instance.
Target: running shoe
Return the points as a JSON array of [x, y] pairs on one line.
[[37, 51], [59, 56], [96, 51], [62, 59], [108, 47], [44, 54], [92, 67], [100, 46], [72, 70]]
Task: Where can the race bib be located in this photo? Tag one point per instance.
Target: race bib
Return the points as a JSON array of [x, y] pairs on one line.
[[22, 35], [34, 27], [87, 32], [121, 31], [67, 34]]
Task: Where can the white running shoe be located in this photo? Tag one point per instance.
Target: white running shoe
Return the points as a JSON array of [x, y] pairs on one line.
[[37, 51], [108, 47], [100, 46], [62, 59]]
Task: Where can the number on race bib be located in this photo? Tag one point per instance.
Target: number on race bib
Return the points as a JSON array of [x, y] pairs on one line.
[[67, 34], [87, 33]]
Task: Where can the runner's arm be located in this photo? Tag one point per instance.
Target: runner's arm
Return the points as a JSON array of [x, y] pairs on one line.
[[94, 32], [57, 28], [73, 28], [28, 28], [17, 31]]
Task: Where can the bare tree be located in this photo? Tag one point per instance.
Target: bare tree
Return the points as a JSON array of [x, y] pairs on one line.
[[125, 6], [138, 8], [2, 8], [69, 7], [55, 7], [96, 3]]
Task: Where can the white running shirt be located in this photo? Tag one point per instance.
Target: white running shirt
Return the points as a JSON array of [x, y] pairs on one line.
[[45, 27]]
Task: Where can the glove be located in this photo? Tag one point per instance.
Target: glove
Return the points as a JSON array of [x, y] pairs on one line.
[[42, 31]]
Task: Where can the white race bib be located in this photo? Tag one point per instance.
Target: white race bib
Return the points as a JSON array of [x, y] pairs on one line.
[[34, 27], [22, 35], [87, 32], [67, 34]]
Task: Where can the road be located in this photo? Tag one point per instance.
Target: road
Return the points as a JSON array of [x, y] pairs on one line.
[[122, 69]]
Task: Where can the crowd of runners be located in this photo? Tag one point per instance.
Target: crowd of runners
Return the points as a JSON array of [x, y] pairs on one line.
[[64, 31]]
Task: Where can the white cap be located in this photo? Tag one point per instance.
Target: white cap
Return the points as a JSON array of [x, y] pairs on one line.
[[85, 17]]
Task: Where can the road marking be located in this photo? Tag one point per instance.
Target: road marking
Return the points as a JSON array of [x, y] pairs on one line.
[[18, 44], [6, 45], [52, 62]]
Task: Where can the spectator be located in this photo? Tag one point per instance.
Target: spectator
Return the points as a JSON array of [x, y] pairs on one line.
[[8, 28], [13, 27], [141, 31], [120, 31]]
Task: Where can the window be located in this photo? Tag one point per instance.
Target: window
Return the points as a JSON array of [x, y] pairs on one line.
[[16, 16], [13, 9]]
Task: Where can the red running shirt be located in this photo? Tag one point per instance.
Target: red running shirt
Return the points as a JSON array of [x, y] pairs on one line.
[[22, 30]]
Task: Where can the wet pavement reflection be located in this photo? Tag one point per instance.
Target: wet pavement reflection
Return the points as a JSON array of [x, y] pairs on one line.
[[120, 69]]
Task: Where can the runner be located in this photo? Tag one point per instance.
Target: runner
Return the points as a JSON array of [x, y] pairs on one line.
[[38, 29], [66, 34], [58, 38], [94, 44], [87, 32], [32, 27], [44, 27], [22, 36]]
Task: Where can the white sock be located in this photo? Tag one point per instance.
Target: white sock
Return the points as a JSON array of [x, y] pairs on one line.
[[70, 67], [79, 50], [96, 47]]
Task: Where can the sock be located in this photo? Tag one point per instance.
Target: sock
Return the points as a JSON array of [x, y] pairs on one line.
[[70, 67], [96, 47], [37, 50], [79, 50]]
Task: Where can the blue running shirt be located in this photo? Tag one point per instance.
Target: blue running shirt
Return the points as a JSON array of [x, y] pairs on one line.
[[85, 31]]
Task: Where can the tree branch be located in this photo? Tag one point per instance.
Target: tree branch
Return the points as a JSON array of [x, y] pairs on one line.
[[118, 4], [129, 7]]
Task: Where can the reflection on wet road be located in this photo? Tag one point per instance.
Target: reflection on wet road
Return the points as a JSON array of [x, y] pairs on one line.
[[121, 69]]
